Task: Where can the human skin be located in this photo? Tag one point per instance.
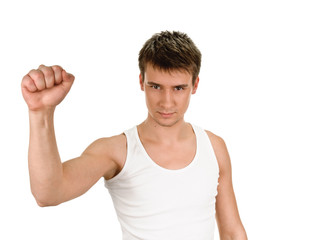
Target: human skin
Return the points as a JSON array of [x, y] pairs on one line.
[[53, 182], [164, 131]]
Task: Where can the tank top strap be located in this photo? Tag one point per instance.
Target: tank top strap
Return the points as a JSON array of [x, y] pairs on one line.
[[205, 147], [201, 136], [131, 134]]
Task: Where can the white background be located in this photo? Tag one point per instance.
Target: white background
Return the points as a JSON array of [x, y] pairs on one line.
[[256, 92]]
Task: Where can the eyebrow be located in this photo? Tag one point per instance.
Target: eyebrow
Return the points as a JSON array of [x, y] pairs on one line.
[[181, 85]]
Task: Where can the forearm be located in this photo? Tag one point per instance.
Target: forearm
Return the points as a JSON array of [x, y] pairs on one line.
[[45, 167], [239, 235]]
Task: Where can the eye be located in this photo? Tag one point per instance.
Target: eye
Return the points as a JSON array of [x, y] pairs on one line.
[[155, 87], [179, 88]]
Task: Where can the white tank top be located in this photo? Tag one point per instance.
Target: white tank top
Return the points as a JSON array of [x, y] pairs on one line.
[[156, 203]]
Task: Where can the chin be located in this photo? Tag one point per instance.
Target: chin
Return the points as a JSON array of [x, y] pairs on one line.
[[167, 122]]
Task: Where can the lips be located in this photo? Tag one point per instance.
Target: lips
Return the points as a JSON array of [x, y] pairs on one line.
[[166, 114]]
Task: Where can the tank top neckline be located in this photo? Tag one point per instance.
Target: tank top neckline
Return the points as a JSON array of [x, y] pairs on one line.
[[167, 169]]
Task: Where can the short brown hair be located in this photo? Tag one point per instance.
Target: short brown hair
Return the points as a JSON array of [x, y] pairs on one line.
[[171, 51]]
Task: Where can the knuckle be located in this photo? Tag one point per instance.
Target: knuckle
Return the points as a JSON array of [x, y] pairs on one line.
[[31, 72], [35, 74], [57, 70], [48, 75], [38, 75], [28, 83], [38, 78], [25, 80], [58, 73], [48, 72]]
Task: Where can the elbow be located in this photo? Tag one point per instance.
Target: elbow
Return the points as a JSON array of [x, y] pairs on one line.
[[236, 234], [45, 201], [240, 236], [46, 195], [41, 204]]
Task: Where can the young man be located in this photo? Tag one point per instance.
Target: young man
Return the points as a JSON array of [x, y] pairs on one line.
[[163, 174]]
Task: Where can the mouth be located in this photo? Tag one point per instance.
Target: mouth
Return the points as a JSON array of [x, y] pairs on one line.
[[166, 115]]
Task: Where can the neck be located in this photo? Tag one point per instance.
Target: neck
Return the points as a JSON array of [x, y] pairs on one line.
[[165, 134]]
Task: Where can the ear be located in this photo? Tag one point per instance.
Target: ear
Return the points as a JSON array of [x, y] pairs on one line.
[[195, 85], [141, 82]]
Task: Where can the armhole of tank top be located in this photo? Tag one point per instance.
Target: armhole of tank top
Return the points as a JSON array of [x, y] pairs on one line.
[[211, 148], [115, 178]]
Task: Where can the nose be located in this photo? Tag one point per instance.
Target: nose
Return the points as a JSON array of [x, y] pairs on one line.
[[167, 99]]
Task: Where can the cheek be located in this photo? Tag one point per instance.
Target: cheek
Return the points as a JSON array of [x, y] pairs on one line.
[[185, 100], [150, 98], [184, 97]]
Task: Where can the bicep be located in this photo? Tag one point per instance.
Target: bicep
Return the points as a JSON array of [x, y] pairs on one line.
[[81, 173], [227, 215]]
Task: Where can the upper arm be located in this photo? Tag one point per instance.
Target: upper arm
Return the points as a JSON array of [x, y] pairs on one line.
[[98, 160], [227, 215]]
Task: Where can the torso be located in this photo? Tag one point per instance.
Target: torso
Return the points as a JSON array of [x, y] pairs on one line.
[[175, 156], [171, 156]]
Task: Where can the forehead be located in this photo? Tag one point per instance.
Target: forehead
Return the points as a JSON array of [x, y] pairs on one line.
[[167, 77]]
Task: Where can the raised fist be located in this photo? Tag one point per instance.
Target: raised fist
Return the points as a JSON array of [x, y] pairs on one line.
[[44, 88]]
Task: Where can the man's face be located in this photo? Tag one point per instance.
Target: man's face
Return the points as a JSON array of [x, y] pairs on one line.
[[167, 94]]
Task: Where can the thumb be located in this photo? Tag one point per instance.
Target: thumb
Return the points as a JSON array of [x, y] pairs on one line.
[[67, 77], [67, 80]]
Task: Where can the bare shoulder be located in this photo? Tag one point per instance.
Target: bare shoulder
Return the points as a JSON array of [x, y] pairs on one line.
[[215, 140], [101, 146], [118, 148], [110, 148], [220, 149]]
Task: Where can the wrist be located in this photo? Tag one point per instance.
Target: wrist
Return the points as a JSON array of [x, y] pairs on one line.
[[42, 117], [42, 112]]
